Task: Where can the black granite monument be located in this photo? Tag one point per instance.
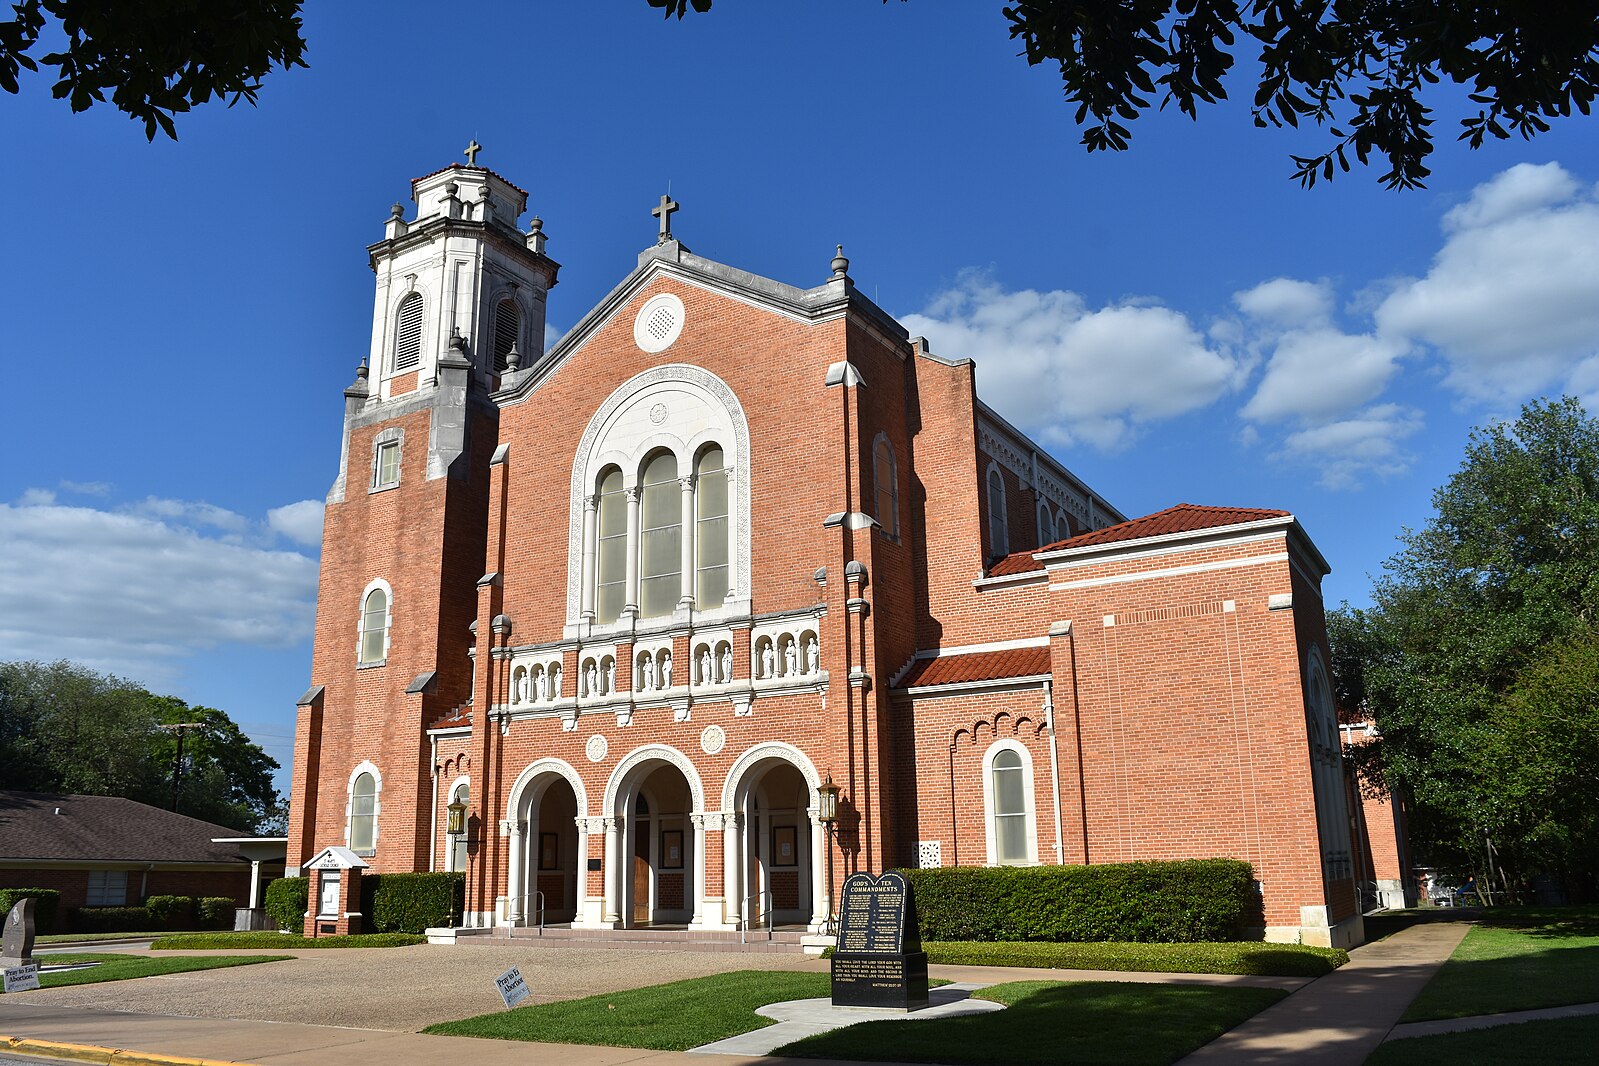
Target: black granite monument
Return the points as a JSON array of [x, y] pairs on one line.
[[16, 942], [879, 960]]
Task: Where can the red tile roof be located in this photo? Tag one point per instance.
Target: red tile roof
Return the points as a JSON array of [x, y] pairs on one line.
[[978, 666], [463, 166], [1016, 563], [1184, 518], [454, 721]]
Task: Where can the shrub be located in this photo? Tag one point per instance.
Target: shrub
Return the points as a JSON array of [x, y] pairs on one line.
[[286, 902], [171, 912], [411, 903], [1168, 902], [214, 912], [1279, 960], [46, 902], [112, 920]]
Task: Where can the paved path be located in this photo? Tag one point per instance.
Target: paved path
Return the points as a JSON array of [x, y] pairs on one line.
[[1340, 1019], [1488, 1021]]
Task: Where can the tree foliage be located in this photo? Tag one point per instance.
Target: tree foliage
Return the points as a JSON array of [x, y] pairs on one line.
[[157, 58], [1362, 68], [67, 729], [1479, 659]]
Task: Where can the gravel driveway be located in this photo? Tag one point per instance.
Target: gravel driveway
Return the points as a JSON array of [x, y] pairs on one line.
[[403, 989]]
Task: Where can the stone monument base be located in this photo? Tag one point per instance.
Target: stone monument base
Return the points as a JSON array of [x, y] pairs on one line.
[[862, 979]]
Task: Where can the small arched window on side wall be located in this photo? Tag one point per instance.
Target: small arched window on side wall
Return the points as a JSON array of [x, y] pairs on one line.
[[507, 332], [457, 854], [710, 529], [1046, 524], [998, 525], [375, 621], [364, 813], [408, 333], [885, 476], [1008, 789]]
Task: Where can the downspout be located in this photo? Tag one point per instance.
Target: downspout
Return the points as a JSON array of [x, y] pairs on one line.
[[1054, 769], [433, 819]]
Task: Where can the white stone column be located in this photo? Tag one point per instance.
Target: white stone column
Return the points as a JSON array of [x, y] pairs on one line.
[[821, 905], [697, 819], [591, 541], [630, 599], [613, 875], [255, 884], [687, 539], [515, 888], [733, 866]]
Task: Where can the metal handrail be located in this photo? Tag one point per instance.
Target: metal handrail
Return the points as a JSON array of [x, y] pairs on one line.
[[509, 926], [744, 923]]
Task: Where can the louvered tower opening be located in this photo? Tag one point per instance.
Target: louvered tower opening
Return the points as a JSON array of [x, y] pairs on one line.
[[408, 333], [507, 327]]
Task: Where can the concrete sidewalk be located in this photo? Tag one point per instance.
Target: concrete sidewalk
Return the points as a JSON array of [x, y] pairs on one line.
[[1340, 1019]]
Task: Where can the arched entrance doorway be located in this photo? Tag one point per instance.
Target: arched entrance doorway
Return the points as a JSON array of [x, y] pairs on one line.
[[774, 863], [655, 862], [546, 842]]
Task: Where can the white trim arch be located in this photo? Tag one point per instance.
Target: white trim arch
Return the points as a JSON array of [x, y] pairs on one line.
[[695, 408], [775, 749], [638, 757], [449, 798], [365, 766], [744, 838], [388, 622], [1029, 807], [522, 812], [538, 769]]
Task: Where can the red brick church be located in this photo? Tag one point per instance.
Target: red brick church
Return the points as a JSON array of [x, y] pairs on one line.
[[633, 598]]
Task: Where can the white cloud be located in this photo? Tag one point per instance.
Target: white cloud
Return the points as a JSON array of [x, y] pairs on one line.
[[1287, 303], [1050, 363], [1511, 301], [1352, 450], [1320, 374], [137, 592], [300, 522], [36, 498], [86, 488]]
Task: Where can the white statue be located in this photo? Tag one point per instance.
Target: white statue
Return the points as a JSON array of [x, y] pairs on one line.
[[727, 665], [555, 682], [649, 674], [768, 660], [519, 687], [813, 656], [790, 659], [591, 679], [666, 669], [705, 667], [610, 675]]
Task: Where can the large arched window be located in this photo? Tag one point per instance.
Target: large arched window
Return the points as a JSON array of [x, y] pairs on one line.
[[1008, 788], [507, 329], [710, 529], [611, 573], [1327, 768], [374, 636], [364, 813], [1046, 524], [998, 526], [661, 537], [408, 333], [885, 477]]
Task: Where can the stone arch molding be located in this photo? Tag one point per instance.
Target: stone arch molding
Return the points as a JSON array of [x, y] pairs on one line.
[[759, 753], [537, 769], [648, 753], [623, 432]]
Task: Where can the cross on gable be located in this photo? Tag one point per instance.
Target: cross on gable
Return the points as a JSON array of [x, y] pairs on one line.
[[471, 152], [664, 213]]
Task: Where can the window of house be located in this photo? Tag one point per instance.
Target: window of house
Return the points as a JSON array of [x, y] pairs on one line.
[[1009, 792], [386, 465], [710, 529], [885, 475], [507, 328], [107, 888], [364, 813], [998, 527], [375, 626], [457, 858], [408, 333], [661, 533], [611, 565]]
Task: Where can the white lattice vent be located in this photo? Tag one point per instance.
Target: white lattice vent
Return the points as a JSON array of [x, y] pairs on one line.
[[929, 854]]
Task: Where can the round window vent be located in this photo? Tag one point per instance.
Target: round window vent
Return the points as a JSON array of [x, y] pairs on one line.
[[659, 322]]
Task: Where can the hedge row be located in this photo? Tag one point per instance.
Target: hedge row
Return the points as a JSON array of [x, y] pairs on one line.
[[1161, 902], [390, 903], [1277, 960], [45, 905]]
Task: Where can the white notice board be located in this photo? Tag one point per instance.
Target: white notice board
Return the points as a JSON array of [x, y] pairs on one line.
[[512, 988]]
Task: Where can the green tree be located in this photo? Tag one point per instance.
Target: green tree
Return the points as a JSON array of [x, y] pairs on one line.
[[1479, 659], [67, 729], [1360, 67], [157, 58]]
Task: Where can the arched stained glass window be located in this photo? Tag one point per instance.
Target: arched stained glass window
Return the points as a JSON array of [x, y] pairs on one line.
[[885, 475], [1009, 808], [375, 627], [710, 529], [611, 578], [458, 842], [661, 537], [364, 813], [998, 526]]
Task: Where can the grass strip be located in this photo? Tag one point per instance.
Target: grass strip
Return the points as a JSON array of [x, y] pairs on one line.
[[1515, 962], [266, 938], [1249, 957], [84, 938], [669, 1017], [1054, 1022], [127, 967], [1557, 1041]]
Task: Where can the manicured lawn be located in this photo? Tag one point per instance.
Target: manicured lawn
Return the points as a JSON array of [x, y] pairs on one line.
[[267, 938], [74, 938], [670, 1017], [1564, 1040], [125, 967], [1516, 960], [1282, 960], [1052, 1022]]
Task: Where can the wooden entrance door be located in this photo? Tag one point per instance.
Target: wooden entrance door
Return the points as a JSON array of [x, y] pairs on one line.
[[641, 890]]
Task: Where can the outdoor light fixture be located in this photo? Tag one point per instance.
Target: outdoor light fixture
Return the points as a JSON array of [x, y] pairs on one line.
[[457, 823], [827, 814]]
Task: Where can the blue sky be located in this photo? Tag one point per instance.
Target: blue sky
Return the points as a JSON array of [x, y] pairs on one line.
[[1178, 323]]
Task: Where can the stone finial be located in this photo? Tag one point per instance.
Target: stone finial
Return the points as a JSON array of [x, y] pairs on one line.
[[362, 371], [840, 264], [397, 211], [535, 234], [457, 342], [513, 359]]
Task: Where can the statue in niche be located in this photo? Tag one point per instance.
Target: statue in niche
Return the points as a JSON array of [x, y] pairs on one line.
[[790, 659], [649, 674], [543, 685], [813, 656], [727, 665], [610, 675], [768, 660], [555, 682], [666, 669], [519, 687], [591, 679], [705, 667]]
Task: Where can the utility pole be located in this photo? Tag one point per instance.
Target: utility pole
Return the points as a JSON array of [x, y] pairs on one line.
[[177, 763]]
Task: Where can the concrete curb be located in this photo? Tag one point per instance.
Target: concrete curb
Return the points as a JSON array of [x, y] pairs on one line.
[[105, 1056]]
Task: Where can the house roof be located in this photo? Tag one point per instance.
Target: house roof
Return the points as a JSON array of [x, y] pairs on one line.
[[977, 666], [1183, 518], [463, 166], [38, 825]]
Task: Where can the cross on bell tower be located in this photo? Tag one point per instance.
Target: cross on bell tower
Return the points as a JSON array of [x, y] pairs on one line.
[[471, 152], [664, 213]]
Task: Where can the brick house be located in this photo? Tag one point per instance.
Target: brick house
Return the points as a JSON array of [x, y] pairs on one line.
[[631, 598], [106, 851]]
